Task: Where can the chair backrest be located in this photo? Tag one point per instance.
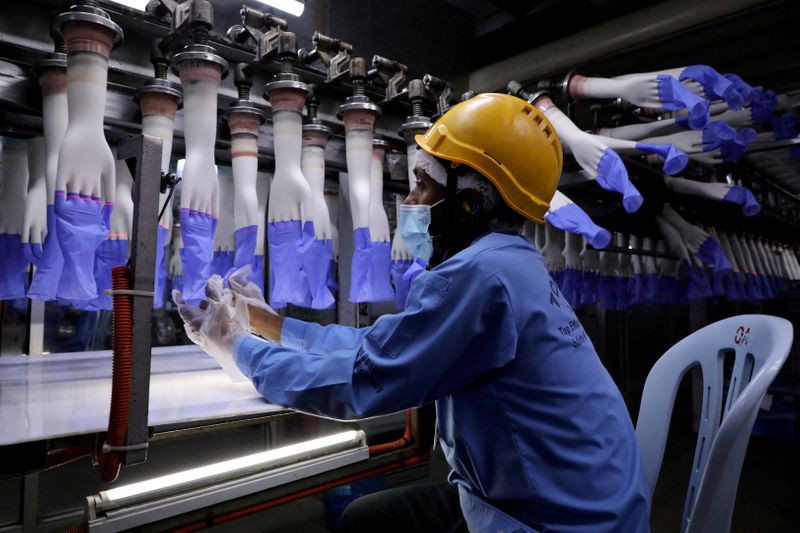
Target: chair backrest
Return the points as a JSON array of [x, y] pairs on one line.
[[761, 344]]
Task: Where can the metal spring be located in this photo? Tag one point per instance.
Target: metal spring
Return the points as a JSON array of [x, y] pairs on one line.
[[358, 87]]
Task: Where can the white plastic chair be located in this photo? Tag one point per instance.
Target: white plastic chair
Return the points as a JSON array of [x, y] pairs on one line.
[[761, 344]]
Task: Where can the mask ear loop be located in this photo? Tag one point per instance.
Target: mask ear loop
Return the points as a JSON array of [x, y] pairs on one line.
[[450, 228]]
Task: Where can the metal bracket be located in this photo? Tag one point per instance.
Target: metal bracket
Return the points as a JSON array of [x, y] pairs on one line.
[[393, 73], [261, 27], [143, 154], [334, 53], [185, 16], [441, 90]]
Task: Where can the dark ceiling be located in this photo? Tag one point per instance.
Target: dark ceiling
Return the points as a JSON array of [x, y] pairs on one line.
[[507, 27], [760, 44]]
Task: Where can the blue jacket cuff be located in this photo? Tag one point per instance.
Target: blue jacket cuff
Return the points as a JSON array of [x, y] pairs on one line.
[[293, 333], [243, 349]]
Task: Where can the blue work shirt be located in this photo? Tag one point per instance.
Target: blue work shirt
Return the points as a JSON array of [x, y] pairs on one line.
[[534, 428]]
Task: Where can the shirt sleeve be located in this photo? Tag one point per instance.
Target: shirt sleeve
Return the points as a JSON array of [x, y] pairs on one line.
[[455, 329], [311, 337]]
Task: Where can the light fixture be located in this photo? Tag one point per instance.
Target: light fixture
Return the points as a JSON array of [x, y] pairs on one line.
[[293, 7], [135, 4], [239, 466]]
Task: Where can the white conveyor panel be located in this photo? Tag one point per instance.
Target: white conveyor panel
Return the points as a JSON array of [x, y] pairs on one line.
[[47, 396]]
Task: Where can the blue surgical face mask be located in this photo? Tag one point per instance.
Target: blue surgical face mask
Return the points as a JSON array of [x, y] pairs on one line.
[[414, 222]]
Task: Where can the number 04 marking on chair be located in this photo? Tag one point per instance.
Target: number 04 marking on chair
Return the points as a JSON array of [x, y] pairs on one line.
[[742, 334]]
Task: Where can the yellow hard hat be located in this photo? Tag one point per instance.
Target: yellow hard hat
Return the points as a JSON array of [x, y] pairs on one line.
[[507, 140]]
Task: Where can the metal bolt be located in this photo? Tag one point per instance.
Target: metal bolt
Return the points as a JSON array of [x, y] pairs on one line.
[[158, 60], [241, 81], [287, 51], [358, 74], [416, 93], [312, 104], [200, 34]]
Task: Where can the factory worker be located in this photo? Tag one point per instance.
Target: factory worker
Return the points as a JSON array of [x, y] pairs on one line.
[[533, 427]]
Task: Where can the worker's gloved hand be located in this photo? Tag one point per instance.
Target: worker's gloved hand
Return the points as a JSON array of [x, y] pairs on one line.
[[215, 325], [246, 293], [82, 223], [715, 85], [675, 96], [674, 159]]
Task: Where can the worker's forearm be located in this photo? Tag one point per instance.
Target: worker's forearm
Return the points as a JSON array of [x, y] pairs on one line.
[[265, 324]]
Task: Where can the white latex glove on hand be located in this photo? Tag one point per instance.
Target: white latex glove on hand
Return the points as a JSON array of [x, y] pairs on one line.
[[215, 327], [245, 293]]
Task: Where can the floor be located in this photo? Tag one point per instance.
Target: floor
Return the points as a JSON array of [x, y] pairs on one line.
[[768, 499]]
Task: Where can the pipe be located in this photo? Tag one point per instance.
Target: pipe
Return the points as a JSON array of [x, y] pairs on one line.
[[377, 449], [646, 25], [121, 375]]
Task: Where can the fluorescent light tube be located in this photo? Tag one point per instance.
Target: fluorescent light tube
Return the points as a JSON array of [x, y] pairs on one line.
[[293, 7], [239, 466]]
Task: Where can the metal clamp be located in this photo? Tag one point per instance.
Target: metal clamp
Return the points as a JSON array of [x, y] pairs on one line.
[[261, 27], [441, 89], [334, 53], [393, 73], [185, 14]]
